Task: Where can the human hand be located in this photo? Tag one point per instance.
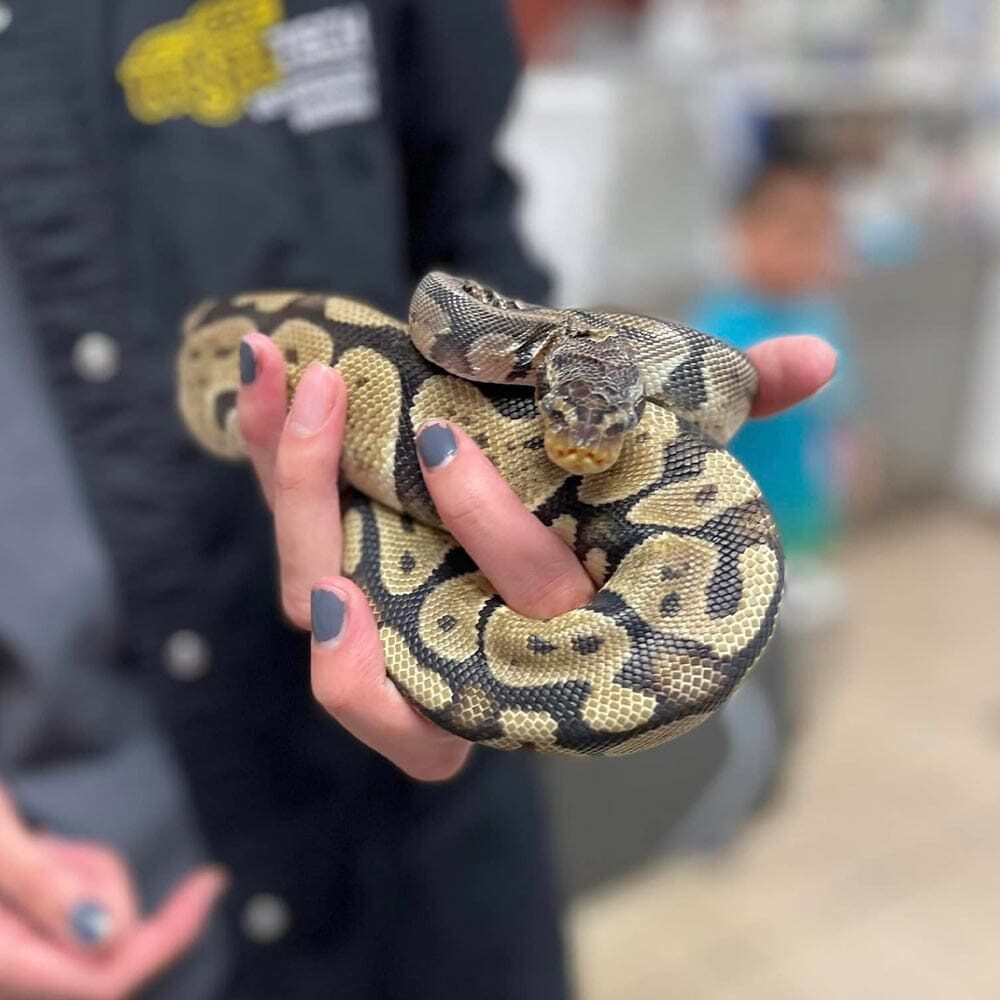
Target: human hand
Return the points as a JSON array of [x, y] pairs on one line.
[[296, 459], [789, 370], [70, 927]]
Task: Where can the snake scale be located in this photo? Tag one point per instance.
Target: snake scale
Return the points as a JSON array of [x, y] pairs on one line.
[[611, 428]]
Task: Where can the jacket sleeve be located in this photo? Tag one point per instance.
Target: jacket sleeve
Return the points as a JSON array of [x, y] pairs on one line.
[[458, 65]]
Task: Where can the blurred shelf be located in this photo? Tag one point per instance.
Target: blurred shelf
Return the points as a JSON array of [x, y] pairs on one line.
[[898, 82]]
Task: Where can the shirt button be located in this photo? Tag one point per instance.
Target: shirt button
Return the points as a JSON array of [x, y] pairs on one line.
[[6, 16], [266, 918], [186, 655], [96, 356]]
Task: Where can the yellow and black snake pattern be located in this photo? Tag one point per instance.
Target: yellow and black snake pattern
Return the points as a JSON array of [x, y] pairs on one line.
[[610, 427]]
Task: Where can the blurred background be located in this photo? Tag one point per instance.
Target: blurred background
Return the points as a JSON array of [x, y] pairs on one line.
[[758, 167]]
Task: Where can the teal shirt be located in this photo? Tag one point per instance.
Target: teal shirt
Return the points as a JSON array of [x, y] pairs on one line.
[[790, 454]]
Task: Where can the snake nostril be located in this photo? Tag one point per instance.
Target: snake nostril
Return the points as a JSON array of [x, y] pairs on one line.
[[225, 403]]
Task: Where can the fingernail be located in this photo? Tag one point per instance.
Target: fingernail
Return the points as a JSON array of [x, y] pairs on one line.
[[329, 610], [436, 444], [91, 923], [248, 363], [313, 401]]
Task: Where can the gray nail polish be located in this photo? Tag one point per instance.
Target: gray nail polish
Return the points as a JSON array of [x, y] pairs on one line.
[[91, 923], [436, 444], [328, 612], [248, 363]]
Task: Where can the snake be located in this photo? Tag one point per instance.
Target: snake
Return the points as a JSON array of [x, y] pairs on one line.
[[611, 427]]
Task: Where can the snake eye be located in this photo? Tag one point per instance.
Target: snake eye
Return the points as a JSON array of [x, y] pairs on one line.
[[489, 297]]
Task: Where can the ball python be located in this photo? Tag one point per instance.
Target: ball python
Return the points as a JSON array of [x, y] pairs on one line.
[[611, 428]]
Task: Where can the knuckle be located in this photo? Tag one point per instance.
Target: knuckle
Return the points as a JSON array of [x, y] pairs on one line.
[[560, 593], [439, 758], [463, 514], [438, 764], [289, 479]]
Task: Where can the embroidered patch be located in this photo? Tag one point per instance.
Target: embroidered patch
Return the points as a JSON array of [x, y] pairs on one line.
[[228, 58], [205, 65], [327, 61]]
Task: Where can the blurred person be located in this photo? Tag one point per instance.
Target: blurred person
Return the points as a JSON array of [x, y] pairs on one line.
[[787, 243], [154, 711], [809, 462]]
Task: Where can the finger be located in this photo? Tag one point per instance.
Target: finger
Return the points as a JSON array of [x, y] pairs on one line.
[[349, 680], [306, 504], [532, 568], [47, 891], [34, 966], [162, 939], [790, 370], [261, 405], [104, 873]]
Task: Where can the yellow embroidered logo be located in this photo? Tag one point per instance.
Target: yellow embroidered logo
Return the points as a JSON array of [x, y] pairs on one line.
[[206, 65]]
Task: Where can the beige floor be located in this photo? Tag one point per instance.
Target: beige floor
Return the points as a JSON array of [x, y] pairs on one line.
[[877, 874]]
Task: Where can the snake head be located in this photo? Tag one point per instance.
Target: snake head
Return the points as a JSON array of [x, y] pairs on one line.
[[589, 396], [584, 434]]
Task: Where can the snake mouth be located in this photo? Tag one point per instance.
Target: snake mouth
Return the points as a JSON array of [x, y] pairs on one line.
[[582, 459]]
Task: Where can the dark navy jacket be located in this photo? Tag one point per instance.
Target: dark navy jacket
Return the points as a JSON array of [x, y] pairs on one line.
[[152, 153]]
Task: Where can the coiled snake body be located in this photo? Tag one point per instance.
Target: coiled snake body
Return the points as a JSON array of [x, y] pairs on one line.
[[610, 427]]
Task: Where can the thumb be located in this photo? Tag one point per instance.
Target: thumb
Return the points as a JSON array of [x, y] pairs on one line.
[[167, 934], [48, 892]]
